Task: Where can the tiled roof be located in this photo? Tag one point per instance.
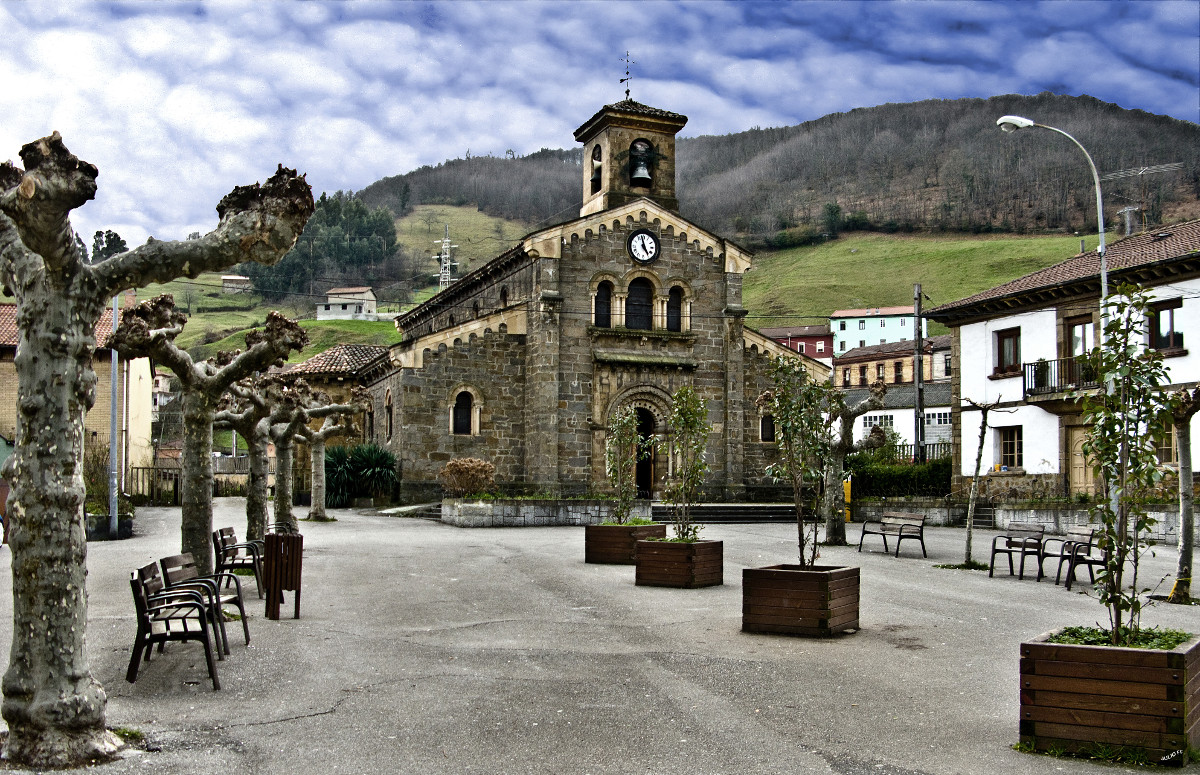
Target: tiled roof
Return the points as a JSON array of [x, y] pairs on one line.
[[340, 359], [1161, 245], [783, 333], [871, 312], [937, 394], [8, 326], [941, 342], [629, 108]]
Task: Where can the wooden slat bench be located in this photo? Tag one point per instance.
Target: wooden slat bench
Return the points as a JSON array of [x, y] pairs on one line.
[[1021, 538], [900, 525]]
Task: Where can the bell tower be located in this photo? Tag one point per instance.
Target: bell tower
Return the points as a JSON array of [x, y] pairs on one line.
[[629, 152]]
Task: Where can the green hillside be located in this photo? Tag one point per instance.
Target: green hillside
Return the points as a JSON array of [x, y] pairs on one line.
[[480, 237], [802, 286], [322, 335]]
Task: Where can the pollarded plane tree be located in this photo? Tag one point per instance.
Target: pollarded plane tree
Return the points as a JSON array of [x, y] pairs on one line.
[[246, 408], [842, 417], [149, 330], [333, 425], [298, 405], [54, 707]]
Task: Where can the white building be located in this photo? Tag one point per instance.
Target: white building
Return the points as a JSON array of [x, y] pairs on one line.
[[874, 325], [898, 414], [1018, 345], [353, 303]]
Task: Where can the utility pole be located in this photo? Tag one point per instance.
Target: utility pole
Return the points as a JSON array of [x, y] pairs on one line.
[[443, 257], [918, 379]]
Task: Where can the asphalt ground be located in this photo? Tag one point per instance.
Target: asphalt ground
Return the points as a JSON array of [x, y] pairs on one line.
[[424, 648]]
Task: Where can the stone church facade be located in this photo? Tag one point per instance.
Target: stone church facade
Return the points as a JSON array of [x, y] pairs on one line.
[[524, 361]]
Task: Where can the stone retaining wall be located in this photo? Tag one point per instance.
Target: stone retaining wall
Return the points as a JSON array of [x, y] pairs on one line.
[[529, 513]]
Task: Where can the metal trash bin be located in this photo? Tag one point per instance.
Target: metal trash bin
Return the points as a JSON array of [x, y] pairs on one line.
[[283, 558]]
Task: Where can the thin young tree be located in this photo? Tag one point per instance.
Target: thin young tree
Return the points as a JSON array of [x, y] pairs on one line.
[[841, 417], [622, 449], [54, 706], [688, 439], [335, 423], [799, 407], [1125, 422], [149, 330], [984, 410], [1184, 406]]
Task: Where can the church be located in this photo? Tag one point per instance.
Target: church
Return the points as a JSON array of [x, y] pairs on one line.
[[524, 361]]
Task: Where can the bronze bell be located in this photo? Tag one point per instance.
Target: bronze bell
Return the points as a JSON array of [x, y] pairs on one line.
[[641, 173], [596, 166]]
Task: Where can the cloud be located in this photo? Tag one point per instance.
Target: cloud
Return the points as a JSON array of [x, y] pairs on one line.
[[177, 102]]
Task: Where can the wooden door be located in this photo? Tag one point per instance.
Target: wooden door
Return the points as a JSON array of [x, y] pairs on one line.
[[1081, 473]]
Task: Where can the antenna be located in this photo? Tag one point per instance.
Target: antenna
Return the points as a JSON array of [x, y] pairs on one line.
[[446, 265], [1140, 173], [628, 79]]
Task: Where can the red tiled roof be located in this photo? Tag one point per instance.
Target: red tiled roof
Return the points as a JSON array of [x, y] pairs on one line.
[[941, 342], [340, 359], [782, 333], [1164, 244], [8, 326], [871, 312]]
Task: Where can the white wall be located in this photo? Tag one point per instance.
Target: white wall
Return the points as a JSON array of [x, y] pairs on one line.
[[1039, 439], [902, 424], [977, 357]]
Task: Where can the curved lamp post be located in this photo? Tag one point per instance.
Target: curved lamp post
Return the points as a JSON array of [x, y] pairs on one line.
[[1012, 124]]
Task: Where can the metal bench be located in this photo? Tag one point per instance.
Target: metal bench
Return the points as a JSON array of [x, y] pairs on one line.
[[1078, 535], [900, 525], [168, 615], [1023, 539], [232, 555]]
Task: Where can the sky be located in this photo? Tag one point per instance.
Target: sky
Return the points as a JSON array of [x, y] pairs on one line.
[[176, 103]]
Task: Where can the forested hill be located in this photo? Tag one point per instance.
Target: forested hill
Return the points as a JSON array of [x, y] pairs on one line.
[[939, 165]]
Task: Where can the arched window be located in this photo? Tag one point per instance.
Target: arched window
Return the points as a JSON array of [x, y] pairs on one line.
[[388, 413], [675, 309], [504, 296], [464, 405], [597, 166], [639, 306], [604, 305], [766, 428]]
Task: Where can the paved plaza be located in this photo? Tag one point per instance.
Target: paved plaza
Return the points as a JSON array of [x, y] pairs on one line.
[[423, 648]]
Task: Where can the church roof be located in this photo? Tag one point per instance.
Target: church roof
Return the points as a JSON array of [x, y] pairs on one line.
[[632, 109], [340, 359]]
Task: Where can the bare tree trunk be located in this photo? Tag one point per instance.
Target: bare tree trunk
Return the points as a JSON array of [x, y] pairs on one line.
[[54, 707], [1181, 592], [196, 484], [284, 459], [833, 502], [316, 510], [983, 424], [257, 490]]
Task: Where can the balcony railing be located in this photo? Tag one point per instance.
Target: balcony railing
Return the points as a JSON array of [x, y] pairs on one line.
[[1060, 375]]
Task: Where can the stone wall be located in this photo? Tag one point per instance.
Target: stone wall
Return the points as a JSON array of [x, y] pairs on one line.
[[531, 513]]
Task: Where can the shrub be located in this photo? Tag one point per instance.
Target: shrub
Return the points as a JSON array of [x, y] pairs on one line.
[[339, 479], [467, 476], [95, 482], [877, 480], [373, 470]]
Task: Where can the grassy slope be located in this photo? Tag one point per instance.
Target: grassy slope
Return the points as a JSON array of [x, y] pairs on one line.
[[803, 285], [322, 334], [479, 237]]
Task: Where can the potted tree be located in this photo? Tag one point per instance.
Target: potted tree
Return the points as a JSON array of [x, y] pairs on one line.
[[685, 561], [615, 540], [804, 598], [1124, 687]]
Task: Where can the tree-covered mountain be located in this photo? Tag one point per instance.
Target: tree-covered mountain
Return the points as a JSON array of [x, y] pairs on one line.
[[937, 165]]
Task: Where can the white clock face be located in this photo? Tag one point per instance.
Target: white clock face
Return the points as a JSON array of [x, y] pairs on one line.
[[643, 246]]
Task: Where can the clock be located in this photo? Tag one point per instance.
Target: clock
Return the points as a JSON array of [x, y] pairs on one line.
[[643, 246]]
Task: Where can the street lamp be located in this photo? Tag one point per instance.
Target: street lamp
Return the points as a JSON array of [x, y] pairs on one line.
[[1012, 124]]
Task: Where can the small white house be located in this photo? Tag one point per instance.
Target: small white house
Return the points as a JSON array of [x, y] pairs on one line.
[[1019, 347], [236, 283], [898, 414], [873, 325], [353, 303]]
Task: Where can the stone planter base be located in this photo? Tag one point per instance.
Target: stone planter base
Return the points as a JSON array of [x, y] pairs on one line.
[[814, 601], [97, 527], [617, 544], [1074, 697], [681, 565]]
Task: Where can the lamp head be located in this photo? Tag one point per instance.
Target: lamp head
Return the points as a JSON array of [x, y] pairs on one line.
[[1013, 123]]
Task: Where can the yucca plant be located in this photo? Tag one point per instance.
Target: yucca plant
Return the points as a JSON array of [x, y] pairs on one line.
[[339, 478], [374, 470]]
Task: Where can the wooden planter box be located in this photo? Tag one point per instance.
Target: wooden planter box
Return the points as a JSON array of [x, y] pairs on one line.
[[1073, 697], [683, 565], [817, 601], [617, 544]]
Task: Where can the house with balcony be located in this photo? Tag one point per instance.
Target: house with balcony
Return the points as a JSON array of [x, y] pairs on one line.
[[1020, 345]]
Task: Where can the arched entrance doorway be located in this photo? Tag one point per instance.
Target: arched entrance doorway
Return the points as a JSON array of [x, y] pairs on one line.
[[644, 473]]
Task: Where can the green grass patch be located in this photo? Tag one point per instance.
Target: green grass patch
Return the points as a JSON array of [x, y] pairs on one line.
[[479, 236], [130, 735], [631, 522], [972, 565], [1148, 638], [876, 270], [322, 335]]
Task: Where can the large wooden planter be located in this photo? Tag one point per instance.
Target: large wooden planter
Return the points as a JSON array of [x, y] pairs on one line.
[[1073, 697], [815, 601], [617, 544], [683, 565]]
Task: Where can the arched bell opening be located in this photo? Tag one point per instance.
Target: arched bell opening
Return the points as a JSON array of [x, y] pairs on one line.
[[644, 471]]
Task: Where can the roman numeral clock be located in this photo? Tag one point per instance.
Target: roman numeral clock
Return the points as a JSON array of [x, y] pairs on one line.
[[643, 246]]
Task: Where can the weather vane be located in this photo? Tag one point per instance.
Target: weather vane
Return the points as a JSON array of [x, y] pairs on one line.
[[628, 79]]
